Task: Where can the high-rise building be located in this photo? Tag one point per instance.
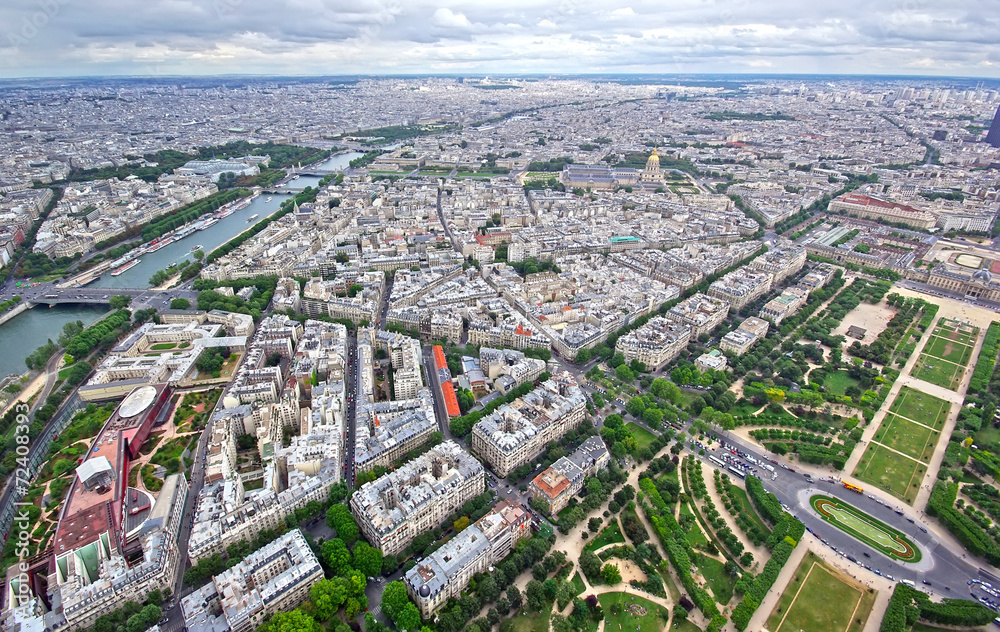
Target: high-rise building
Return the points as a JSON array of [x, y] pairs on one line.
[[993, 136]]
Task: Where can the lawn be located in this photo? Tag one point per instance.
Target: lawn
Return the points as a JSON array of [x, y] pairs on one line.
[[744, 409], [893, 472], [959, 332], [747, 508], [578, 585], [948, 350], [683, 626], [533, 621], [163, 346], [838, 382], [719, 581], [988, 438], [643, 438], [858, 524], [169, 454], [937, 371], [694, 536], [631, 612], [610, 534], [927, 409], [910, 438], [819, 598]]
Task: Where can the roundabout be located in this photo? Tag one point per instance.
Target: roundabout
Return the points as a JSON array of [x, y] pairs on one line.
[[871, 531]]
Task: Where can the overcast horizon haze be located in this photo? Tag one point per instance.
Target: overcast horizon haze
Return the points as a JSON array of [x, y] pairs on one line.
[[67, 38]]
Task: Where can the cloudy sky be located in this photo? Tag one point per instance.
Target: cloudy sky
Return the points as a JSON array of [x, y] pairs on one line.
[[162, 37]]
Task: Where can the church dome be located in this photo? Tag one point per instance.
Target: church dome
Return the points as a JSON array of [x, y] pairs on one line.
[[654, 157], [982, 275]]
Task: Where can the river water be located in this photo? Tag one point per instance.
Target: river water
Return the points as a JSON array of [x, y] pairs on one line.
[[25, 333], [28, 331], [209, 239]]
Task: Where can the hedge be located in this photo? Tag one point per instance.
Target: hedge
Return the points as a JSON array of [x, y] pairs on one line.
[[987, 360], [677, 547], [909, 604], [763, 582], [973, 537]]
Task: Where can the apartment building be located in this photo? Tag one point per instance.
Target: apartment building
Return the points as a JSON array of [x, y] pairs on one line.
[[701, 312], [745, 336], [565, 478], [784, 305], [417, 497], [741, 286], [782, 261], [516, 433], [275, 578], [446, 572], [656, 344], [509, 368]]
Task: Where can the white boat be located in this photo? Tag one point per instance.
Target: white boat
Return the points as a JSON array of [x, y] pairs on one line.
[[268, 200], [198, 247], [252, 218], [128, 266]]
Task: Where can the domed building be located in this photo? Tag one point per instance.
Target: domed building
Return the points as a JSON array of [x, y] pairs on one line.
[[652, 172]]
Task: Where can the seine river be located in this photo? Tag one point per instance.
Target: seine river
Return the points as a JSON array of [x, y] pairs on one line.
[[25, 333]]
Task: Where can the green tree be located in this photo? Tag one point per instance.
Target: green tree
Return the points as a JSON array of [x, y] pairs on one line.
[[327, 596], [653, 417], [535, 593], [339, 518], [180, 303], [367, 559], [291, 621], [336, 555], [394, 599], [409, 619], [624, 373], [119, 301], [635, 406], [610, 574]]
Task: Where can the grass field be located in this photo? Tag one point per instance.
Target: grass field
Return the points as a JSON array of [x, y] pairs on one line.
[[908, 437], [681, 626], [533, 621], [643, 437], [694, 536], [893, 472], [620, 613], [819, 598], [851, 520], [948, 350], [747, 508], [719, 581], [954, 330], [926, 409], [937, 371], [838, 382], [610, 534]]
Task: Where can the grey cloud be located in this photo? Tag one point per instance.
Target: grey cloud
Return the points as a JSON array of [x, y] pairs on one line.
[[94, 36]]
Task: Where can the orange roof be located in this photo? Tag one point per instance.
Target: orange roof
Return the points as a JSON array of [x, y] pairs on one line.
[[450, 400], [439, 360], [551, 483]]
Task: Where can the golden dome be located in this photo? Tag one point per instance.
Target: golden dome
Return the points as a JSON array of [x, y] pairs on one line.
[[654, 157]]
